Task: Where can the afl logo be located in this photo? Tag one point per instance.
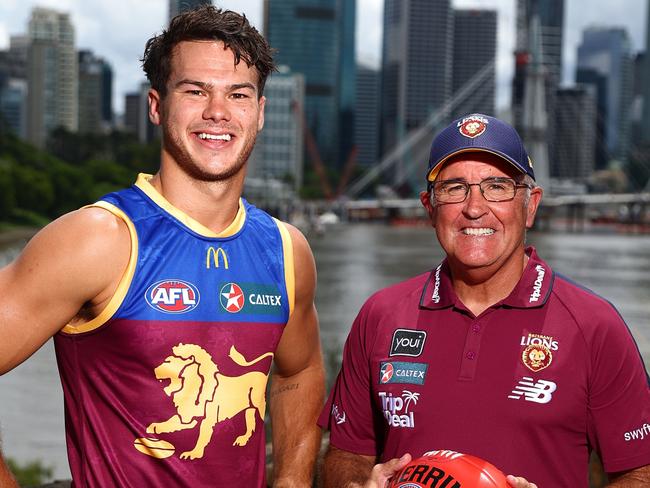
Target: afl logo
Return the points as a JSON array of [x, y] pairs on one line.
[[231, 297], [172, 296], [472, 126], [386, 373]]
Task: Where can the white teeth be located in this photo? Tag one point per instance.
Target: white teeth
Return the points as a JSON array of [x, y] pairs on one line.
[[220, 137], [483, 231]]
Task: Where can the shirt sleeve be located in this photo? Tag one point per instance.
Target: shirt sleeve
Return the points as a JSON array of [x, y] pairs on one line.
[[348, 413], [619, 397]]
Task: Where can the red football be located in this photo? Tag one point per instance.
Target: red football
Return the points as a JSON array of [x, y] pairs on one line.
[[448, 469]]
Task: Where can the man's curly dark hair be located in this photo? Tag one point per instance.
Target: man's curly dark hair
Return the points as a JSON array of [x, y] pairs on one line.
[[207, 23]]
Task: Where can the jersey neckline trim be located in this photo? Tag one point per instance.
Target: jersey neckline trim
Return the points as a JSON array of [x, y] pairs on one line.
[[147, 188]]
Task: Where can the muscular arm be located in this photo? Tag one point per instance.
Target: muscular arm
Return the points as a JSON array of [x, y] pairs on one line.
[[345, 469], [634, 478], [297, 389], [74, 262]]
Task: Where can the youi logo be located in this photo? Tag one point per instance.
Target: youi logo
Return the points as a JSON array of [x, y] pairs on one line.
[[172, 296], [407, 342]]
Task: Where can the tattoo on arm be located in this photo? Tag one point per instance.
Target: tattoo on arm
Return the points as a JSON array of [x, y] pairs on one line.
[[284, 388]]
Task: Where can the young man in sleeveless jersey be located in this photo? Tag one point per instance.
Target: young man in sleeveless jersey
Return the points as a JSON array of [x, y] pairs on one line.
[[173, 301]]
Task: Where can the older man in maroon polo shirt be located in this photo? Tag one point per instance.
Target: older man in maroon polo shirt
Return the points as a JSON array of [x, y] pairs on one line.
[[491, 353]]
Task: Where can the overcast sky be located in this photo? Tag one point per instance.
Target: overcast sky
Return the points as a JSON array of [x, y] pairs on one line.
[[118, 29]]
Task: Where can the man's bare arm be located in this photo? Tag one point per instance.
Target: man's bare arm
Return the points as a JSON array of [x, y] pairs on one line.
[[634, 478], [343, 469], [298, 381], [74, 262]]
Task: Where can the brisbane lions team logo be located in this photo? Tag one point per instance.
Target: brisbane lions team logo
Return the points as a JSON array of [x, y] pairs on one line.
[[203, 397], [537, 357], [472, 126]]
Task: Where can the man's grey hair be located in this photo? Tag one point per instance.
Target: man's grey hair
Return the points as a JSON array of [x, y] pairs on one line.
[[526, 179]]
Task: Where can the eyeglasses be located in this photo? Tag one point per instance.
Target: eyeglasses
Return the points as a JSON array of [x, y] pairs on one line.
[[493, 190]]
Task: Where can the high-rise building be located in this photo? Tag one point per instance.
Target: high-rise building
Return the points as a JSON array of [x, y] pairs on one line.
[[178, 6], [646, 79], [136, 115], [416, 76], [279, 148], [475, 45], [595, 79], [131, 112], [316, 38], [347, 77], [13, 86], [107, 94], [94, 74], [576, 133], [416, 65], [13, 101], [13, 62], [366, 122], [52, 75], [637, 129], [607, 52], [548, 18]]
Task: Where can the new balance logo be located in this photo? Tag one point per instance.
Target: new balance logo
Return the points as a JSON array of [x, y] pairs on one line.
[[540, 392]]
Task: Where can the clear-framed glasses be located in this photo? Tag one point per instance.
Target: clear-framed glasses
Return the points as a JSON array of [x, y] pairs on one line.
[[493, 189]]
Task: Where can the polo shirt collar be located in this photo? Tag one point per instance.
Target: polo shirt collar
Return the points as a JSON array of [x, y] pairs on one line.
[[532, 290]]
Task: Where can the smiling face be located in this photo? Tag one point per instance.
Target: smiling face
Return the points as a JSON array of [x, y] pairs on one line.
[[477, 235], [211, 113]]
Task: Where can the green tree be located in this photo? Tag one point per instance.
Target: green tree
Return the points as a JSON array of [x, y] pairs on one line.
[[7, 191], [33, 473], [34, 189]]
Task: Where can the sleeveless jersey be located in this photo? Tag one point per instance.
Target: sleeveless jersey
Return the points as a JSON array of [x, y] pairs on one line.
[[167, 386]]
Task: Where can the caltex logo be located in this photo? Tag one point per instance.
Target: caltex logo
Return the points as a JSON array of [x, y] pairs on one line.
[[231, 297], [386, 373], [172, 296]]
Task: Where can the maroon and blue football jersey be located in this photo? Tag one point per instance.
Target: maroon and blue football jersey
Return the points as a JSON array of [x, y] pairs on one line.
[[166, 387]]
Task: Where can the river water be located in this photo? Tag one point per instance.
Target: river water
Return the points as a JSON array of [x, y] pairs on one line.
[[353, 261]]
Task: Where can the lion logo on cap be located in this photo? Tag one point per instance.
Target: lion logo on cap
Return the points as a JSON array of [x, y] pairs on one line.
[[472, 126]]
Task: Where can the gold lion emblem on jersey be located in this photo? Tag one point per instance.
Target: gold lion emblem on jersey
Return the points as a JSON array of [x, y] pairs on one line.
[[204, 397]]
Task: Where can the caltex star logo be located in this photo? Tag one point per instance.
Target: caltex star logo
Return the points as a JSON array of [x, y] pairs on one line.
[[386, 373], [231, 297]]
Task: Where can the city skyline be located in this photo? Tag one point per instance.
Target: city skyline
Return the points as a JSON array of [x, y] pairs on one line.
[[96, 22]]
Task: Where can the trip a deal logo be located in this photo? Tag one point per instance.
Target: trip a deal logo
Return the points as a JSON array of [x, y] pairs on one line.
[[250, 298], [172, 296]]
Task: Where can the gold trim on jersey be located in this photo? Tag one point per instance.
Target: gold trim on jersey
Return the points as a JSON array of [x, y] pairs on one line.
[[289, 275], [124, 284], [235, 226]]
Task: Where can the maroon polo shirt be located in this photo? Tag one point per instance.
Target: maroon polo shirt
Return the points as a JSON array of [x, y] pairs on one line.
[[531, 385]]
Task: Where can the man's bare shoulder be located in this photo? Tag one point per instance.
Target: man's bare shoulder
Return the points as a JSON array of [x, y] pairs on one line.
[[298, 239], [304, 264], [74, 264], [87, 231], [90, 245]]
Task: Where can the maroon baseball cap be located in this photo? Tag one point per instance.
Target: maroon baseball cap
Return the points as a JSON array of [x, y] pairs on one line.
[[482, 133]]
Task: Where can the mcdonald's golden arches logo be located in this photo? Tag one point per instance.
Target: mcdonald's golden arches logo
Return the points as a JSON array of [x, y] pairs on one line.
[[215, 256]]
